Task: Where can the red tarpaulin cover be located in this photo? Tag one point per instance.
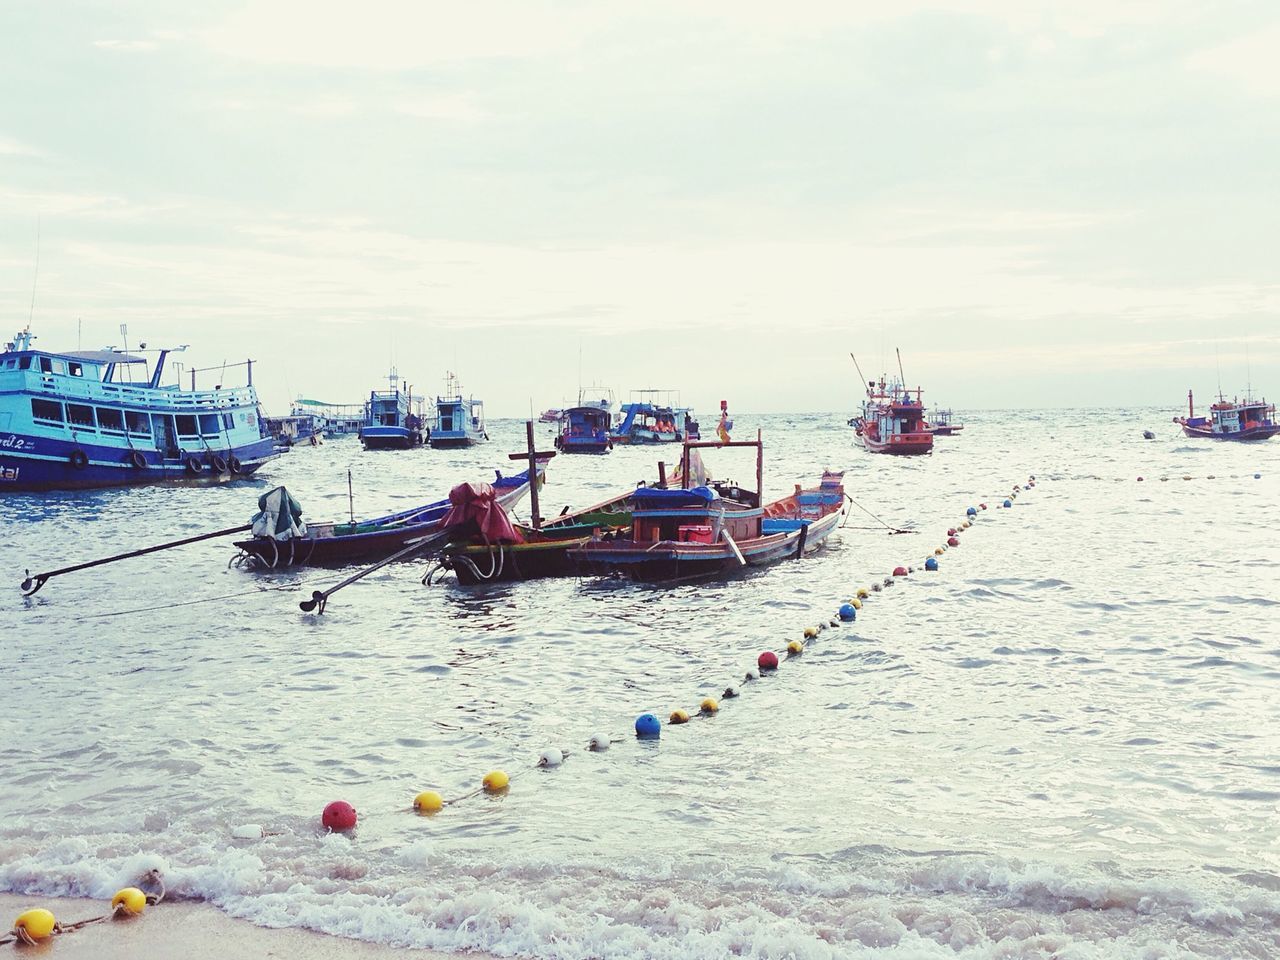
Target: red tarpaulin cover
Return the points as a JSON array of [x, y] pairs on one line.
[[476, 501]]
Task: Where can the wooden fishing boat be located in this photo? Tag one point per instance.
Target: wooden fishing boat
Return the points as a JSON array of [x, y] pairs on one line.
[[1246, 419], [891, 421], [542, 551], [714, 529], [323, 544], [459, 419], [392, 418]]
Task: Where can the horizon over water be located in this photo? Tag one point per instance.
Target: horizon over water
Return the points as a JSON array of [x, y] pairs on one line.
[[1063, 744]]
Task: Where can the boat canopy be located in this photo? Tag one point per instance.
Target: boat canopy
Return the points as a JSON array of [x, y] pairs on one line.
[[279, 516], [657, 497]]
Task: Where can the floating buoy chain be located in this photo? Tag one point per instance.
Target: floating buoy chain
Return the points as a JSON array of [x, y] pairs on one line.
[[38, 925]]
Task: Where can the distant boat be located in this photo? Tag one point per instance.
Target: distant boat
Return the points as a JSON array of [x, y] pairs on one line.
[[891, 421], [941, 424], [654, 418], [459, 420], [584, 429], [714, 529], [332, 420], [1246, 419], [390, 419], [551, 415], [70, 420]]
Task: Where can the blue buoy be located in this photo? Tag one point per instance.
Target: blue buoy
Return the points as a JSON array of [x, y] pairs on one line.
[[972, 511], [648, 727], [847, 612], [931, 563], [1257, 476], [1008, 504]]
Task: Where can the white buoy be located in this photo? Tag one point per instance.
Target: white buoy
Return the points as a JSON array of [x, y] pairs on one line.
[[248, 831], [598, 742], [551, 757]]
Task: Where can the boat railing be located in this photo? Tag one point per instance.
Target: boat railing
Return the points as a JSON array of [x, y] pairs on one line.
[[140, 395]]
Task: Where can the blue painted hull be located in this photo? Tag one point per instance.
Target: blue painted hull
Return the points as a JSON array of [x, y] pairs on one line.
[[48, 465], [1263, 432], [390, 438], [445, 439]]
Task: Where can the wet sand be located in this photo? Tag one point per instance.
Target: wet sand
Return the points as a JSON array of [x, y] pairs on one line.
[[195, 931]]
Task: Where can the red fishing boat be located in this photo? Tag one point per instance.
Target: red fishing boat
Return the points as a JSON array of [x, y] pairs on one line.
[[891, 421], [1246, 419]]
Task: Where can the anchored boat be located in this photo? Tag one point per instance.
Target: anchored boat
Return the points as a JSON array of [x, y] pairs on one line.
[[584, 429], [392, 418], [281, 538], [1246, 419], [942, 424], [78, 419], [459, 420], [654, 418], [713, 529]]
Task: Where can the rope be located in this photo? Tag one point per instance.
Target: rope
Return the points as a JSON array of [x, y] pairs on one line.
[[190, 603], [891, 529]]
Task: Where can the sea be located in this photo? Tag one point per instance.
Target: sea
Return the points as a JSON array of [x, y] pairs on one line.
[[1064, 743]]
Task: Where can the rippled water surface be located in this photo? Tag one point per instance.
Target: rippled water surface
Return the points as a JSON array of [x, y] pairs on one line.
[[1065, 743]]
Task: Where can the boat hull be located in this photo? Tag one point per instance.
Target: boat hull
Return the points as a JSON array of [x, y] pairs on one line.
[[946, 431], [1263, 432], [36, 464], [673, 560], [452, 442], [901, 445], [390, 438]]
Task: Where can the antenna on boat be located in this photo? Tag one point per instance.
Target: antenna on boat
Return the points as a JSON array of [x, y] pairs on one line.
[[856, 367], [900, 373], [351, 499]]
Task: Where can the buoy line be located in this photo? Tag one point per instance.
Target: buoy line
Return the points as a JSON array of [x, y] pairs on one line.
[[38, 925]]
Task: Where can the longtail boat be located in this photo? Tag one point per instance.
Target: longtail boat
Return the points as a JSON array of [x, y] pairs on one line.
[[1246, 419], [539, 552], [713, 529], [281, 539]]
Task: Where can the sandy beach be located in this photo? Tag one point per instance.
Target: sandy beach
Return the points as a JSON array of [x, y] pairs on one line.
[[193, 930]]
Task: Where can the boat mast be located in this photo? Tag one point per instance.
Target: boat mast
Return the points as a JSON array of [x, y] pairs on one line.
[[1191, 406]]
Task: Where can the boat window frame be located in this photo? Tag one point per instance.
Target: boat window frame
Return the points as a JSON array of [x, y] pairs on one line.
[[77, 425], [111, 412], [24, 363], [75, 368], [229, 421], [201, 419], [193, 433], [145, 431], [61, 419]]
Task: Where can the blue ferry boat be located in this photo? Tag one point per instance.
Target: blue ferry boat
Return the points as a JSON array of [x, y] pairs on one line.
[[390, 422], [459, 420], [584, 429], [654, 419], [73, 420]]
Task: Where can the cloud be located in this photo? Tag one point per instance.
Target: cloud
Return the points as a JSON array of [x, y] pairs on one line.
[[127, 46], [1249, 61], [14, 148]]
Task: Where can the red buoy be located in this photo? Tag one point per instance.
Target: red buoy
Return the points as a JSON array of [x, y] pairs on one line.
[[767, 660], [953, 541], [982, 506], [339, 816], [1139, 479], [951, 532], [899, 571]]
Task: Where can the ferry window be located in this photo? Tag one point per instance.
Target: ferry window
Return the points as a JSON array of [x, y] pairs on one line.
[[24, 363], [186, 426], [46, 410], [75, 369], [46, 365], [229, 421], [79, 415], [60, 366], [209, 425], [109, 419], [8, 364], [138, 421]]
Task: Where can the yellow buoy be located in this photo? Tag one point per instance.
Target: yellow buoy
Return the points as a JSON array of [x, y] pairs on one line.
[[431, 802], [495, 781], [679, 716], [855, 603], [795, 647], [709, 705], [862, 593], [130, 900], [810, 632], [37, 924], [937, 552]]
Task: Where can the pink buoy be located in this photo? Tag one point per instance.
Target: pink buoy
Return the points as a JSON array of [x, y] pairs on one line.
[[953, 541], [899, 571], [951, 532], [767, 660], [339, 816], [982, 506]]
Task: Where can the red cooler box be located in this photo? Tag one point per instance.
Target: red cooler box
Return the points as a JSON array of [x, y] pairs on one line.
[[696, 533]]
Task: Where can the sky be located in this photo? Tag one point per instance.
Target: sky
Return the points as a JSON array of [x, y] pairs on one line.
[[1041, 203]]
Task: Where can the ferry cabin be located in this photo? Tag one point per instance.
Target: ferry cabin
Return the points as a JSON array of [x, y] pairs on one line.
[[459, 422], [72, 421]]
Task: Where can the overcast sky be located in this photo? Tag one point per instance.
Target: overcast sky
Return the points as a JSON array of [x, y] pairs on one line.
[[1042, 203]]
